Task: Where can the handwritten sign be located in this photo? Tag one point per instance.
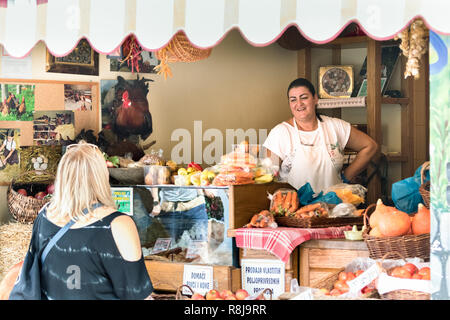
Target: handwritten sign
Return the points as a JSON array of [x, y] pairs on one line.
[[161, 245], [123, 197], [260, 274], [363, 279], [199, 278]]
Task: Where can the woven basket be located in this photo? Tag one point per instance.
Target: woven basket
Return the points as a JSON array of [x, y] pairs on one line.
[[179, 295], [313, 222], [401, 294], [424, 188], [24, 209], [409, 246]]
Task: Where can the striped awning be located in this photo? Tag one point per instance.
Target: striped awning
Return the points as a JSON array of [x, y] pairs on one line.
[[106, 23]]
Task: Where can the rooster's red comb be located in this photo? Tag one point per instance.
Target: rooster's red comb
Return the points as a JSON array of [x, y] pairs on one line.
[[125, 95]]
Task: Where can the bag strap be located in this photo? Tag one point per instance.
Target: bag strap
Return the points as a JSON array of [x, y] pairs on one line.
[[62, 231]]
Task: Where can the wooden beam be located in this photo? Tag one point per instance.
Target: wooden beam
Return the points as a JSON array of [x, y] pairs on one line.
[[304, 63], [407, 123], [374, 111]]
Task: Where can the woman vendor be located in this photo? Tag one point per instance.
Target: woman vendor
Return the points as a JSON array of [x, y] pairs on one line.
[[311, 146]]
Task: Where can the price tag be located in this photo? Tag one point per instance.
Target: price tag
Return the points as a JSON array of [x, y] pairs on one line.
[[199, 278], [363, 279], [161, 244]]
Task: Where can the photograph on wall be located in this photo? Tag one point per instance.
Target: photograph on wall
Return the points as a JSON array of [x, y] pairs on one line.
[[77, 97], [9, 154], [38, 162], [17, 102], [107, 93], [50, 126]]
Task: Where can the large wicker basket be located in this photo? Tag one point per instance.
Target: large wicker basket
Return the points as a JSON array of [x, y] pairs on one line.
[[424, 188], [409, 246], [401, 294], [25, 209]]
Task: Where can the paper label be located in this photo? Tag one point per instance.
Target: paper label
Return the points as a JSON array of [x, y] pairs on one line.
[[199, 278], [363, 279], [260, 274], [161, 245]]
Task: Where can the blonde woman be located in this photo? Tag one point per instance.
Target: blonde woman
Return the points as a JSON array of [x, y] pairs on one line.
[[100, 256]]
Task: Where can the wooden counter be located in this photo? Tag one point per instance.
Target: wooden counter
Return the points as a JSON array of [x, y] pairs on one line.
[[320, 258]]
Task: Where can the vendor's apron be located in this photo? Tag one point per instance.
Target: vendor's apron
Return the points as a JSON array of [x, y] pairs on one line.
[[312, 164]]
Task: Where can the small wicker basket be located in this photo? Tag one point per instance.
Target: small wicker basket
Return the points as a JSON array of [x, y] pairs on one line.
[[401, 294], [24, 209], [409, 246], [424, 188], [179, 295]]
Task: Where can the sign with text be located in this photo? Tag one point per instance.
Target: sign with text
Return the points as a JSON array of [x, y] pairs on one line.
[[123, 197], [161, 245], [259, 274], [199, 278]]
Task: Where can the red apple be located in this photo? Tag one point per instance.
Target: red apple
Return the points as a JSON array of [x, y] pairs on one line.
[[225, 293], [212, 294], [231, 297], [22, 192], [109, 164], [197, 296], [40, 195], [241, 294], [50, 188]]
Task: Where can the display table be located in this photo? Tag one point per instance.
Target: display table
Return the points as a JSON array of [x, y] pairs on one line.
[[282, 241], [320, 258]]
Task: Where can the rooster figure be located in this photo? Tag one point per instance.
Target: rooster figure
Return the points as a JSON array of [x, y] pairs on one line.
[[131, 115]]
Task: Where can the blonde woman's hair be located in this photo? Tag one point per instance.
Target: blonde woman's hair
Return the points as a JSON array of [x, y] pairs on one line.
[[82, 179]]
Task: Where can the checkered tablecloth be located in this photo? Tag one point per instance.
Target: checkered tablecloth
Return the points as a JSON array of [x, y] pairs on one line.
[[282, 241]]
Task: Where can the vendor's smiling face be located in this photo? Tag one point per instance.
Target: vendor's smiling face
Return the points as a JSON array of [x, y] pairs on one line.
[[302, 103]]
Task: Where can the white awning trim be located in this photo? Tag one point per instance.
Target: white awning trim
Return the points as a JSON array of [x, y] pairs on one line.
[[106, 23]]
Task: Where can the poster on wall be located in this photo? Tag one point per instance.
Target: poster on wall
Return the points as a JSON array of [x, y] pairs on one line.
[[147, 62], [50, 126], [39, 161], [16, 102], [77, 97], [107, 94], [9, 154], [123, 197], [440, 165]]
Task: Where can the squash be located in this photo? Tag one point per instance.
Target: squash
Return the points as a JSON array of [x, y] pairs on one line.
[[374, 232], [421, 220], [389, 221]]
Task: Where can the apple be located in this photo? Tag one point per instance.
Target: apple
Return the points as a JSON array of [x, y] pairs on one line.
[[231, 297], [22, 192], [225, 293], [241, 294], [197, 296], [109, 164], [40, 195], [212, 294], [50, 188]]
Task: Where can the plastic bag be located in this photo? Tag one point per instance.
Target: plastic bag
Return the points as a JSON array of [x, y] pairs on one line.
[[349, 193], [343, 210], [405, 193], [264, 219], [306, 196], [283, 202]]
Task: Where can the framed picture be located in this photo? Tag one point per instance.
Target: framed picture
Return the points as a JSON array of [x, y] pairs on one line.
[[82, 60], [146, 60], [335, 81], [363, 89]]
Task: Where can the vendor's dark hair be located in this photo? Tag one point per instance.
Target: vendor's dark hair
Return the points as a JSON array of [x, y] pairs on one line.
[[302, 82]]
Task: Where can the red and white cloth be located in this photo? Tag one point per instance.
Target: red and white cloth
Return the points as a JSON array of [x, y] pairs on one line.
[[282, 241]]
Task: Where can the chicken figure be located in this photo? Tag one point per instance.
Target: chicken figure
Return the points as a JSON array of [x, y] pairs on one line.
[[5, 109], [131, 115]]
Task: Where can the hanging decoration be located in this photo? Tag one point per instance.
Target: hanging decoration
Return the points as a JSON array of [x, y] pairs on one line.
[[131, 51], [179, 49], [414, 44]]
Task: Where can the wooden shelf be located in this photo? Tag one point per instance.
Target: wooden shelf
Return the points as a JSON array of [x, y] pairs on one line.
[[356, 102], [389, 100]]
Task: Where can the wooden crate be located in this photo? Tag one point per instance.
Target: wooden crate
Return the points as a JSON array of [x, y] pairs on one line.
[[292, 265], [246, 200], [168, 276], [320, 259]]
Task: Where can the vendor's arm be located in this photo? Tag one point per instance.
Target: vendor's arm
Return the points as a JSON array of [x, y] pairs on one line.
[[275, 159], [366, 149]]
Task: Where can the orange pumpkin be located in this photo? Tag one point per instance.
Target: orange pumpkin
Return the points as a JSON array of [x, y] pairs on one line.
[[389, 221], [421, 220], [374, 232], [380, 210]]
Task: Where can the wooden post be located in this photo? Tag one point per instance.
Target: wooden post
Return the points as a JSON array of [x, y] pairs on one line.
[[407, 128], [374, 112], [304, 63]]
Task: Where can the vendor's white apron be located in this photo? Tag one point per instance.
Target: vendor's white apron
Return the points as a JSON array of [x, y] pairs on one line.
[[312, 164]]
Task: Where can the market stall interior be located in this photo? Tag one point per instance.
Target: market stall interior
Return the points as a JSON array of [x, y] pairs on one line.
[[211, 221]]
